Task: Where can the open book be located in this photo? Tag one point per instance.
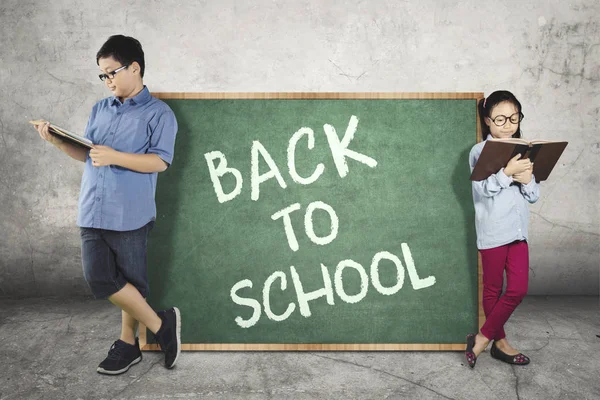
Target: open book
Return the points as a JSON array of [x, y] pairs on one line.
[[497, 153], [65, 134]]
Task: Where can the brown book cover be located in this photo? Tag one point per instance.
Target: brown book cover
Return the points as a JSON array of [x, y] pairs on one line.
[[497, 153]]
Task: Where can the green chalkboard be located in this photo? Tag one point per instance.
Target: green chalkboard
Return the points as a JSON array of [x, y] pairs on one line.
[[370, 244]]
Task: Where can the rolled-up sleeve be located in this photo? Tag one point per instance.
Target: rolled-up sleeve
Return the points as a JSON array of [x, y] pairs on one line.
[[162, 139]]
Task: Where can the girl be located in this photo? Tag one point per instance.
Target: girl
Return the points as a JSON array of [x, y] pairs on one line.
[[501, 218]]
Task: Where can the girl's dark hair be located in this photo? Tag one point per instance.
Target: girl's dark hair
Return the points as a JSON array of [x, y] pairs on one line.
[[123, 49], [486, 105]]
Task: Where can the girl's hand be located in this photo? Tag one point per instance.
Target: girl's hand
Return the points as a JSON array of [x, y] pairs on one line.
[[47, 136], [517, 166], [103, 155], [524, 177]]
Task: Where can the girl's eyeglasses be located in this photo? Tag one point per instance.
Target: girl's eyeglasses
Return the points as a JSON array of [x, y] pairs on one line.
[[500, 120]]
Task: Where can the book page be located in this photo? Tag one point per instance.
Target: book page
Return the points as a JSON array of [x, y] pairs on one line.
[[510, 140], [540, 141]]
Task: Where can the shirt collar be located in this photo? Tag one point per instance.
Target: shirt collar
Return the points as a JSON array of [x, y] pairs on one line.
[[142, 97]]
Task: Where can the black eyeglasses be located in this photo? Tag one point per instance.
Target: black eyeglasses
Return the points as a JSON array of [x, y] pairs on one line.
[[111, 75], [500, 120]]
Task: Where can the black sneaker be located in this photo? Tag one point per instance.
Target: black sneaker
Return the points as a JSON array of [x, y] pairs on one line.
[[121, 356], [169, 335]]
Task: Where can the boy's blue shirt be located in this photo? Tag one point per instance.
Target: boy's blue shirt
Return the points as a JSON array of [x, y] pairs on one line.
[[114, 197], [501, 209]]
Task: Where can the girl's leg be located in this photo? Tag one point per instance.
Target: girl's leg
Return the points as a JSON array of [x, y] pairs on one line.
[[517, 272], [493, 262]]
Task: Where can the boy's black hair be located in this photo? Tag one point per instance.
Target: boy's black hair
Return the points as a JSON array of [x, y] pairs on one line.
[[123, 49], [486, 105]]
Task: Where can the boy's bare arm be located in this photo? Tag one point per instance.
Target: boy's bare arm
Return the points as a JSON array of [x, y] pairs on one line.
[[72, 150], [146, 163]]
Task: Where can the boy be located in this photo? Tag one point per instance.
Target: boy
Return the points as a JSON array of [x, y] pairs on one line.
[[134, 137]]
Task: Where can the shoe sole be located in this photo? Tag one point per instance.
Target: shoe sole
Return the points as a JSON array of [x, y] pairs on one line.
[[178, 323], [120, 371]]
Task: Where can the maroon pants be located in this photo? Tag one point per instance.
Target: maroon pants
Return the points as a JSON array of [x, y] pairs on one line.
[[514, 259]]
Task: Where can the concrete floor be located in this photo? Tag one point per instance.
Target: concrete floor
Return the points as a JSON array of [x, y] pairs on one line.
[[49, 349]]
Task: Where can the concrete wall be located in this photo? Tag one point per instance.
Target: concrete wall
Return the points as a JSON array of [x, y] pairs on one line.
[[546, 52]]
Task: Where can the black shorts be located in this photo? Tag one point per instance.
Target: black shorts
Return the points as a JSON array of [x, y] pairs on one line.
[[111, 259]]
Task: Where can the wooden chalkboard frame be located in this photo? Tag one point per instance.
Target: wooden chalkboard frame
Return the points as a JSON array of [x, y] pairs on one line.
[[338, 346]]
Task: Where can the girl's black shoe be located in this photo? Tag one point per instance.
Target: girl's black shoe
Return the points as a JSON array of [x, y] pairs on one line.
[[519, 359], [471, 357]]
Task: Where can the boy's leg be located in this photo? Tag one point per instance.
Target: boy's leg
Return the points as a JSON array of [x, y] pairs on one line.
[[131, 302], [114, 266], [103, 277], [128, 328], [166, 327], [129, 248]]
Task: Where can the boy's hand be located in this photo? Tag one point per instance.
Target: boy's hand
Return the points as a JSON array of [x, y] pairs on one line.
[[103, 155], [47, 136], [516, 166], [524, 177]]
